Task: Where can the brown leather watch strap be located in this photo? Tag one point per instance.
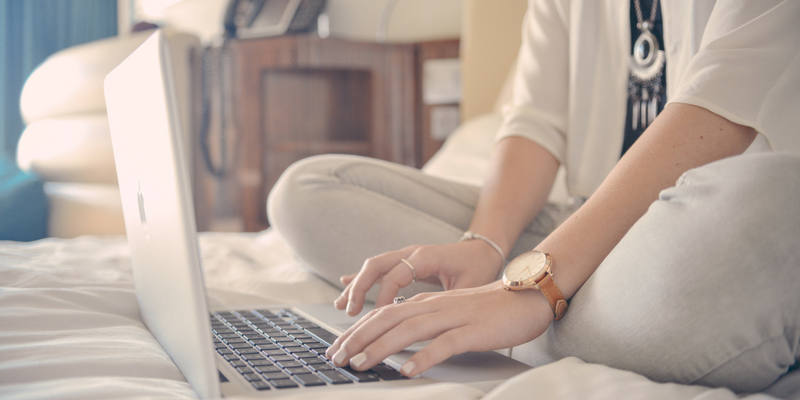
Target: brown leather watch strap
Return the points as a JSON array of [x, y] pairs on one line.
[[554, 295]]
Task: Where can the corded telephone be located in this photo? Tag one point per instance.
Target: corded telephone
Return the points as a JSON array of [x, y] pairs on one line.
[[245, 19], [259, 18]]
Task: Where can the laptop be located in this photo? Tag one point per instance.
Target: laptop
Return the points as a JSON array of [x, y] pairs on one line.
[[256, 351]]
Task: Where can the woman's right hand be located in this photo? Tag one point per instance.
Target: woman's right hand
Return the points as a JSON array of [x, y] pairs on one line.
[[459, 265]]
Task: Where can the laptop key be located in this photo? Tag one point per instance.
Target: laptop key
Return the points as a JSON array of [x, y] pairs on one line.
[[322, 367], [252, 357], [252, 335], [298, 370], [262, 363], [313, 361], [252, 377], [322, 334], [309, 380], [304, 354], [289, 364], [320, 350], [334, 377], [301, 337], [267, 347], [267, 369], [275, 375], [360, 376], [267, 314], [260, 385], [387, 373], [283, 383], [310, 341]]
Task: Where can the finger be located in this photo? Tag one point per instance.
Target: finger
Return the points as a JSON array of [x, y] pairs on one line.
[[346, 279], [421, 327], [398, 277], [335, 345], [370, 327], [446, 345], [341, 302], [373, 269], [338, 342]]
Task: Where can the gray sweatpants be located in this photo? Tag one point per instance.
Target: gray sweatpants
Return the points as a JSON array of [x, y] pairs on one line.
[[704, 288]]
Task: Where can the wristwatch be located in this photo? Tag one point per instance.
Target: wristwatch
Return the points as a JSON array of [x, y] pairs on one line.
[[534, 270]]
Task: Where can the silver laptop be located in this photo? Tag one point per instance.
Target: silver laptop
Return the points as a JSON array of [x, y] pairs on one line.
[[255, 351]]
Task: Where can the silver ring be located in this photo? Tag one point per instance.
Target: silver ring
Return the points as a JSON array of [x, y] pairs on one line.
[[399, 300], [413, 271]]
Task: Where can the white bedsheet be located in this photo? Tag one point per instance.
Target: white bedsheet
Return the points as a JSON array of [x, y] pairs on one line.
[[70, 326]]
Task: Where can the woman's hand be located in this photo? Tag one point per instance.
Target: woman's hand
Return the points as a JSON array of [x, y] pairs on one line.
[[454, 266], [477, 319]]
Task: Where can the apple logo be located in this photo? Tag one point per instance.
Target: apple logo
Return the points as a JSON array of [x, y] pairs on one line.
[[142, 215]]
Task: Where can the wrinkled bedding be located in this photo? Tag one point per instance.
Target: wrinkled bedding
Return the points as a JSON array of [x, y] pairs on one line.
[[70, 326]]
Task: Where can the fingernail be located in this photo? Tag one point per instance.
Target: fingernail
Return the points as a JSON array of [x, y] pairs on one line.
[[330, 352], [359, 359], [407, 368], [350, 307], [339, 357]]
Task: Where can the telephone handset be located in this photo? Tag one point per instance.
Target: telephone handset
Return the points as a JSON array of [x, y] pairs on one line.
[[260, 18]]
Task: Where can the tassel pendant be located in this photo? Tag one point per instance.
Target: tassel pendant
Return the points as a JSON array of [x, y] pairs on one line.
[[646, 67]]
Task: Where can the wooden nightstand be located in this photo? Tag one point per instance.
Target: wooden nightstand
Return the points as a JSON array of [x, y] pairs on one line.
[[297, 96]]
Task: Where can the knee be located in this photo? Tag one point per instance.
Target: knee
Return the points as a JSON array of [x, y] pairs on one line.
[[758, 182], [703, 288], [742, 200], [292, 199]]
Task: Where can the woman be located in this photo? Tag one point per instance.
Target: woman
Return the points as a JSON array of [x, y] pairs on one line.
[[693, 282]]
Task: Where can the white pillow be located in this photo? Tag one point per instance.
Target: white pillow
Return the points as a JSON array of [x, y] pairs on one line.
[[71, 80], [69, 149], [464, 157]]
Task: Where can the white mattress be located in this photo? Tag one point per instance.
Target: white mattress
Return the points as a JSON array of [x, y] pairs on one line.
[[70, 326]]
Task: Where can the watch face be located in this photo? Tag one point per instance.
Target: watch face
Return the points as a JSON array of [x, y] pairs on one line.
[[526, 269]]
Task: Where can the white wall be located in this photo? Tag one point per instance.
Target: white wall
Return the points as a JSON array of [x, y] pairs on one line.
[[412, 20]]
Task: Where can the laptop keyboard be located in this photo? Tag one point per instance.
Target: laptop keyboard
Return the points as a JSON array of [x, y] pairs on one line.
[[281, 351]]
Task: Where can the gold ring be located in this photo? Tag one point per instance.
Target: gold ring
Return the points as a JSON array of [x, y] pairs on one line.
[[413, 271]]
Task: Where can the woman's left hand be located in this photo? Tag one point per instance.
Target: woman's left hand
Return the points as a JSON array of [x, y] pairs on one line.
[[475, 319]]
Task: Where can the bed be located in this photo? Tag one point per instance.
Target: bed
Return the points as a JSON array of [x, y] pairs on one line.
[[70, 326]]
